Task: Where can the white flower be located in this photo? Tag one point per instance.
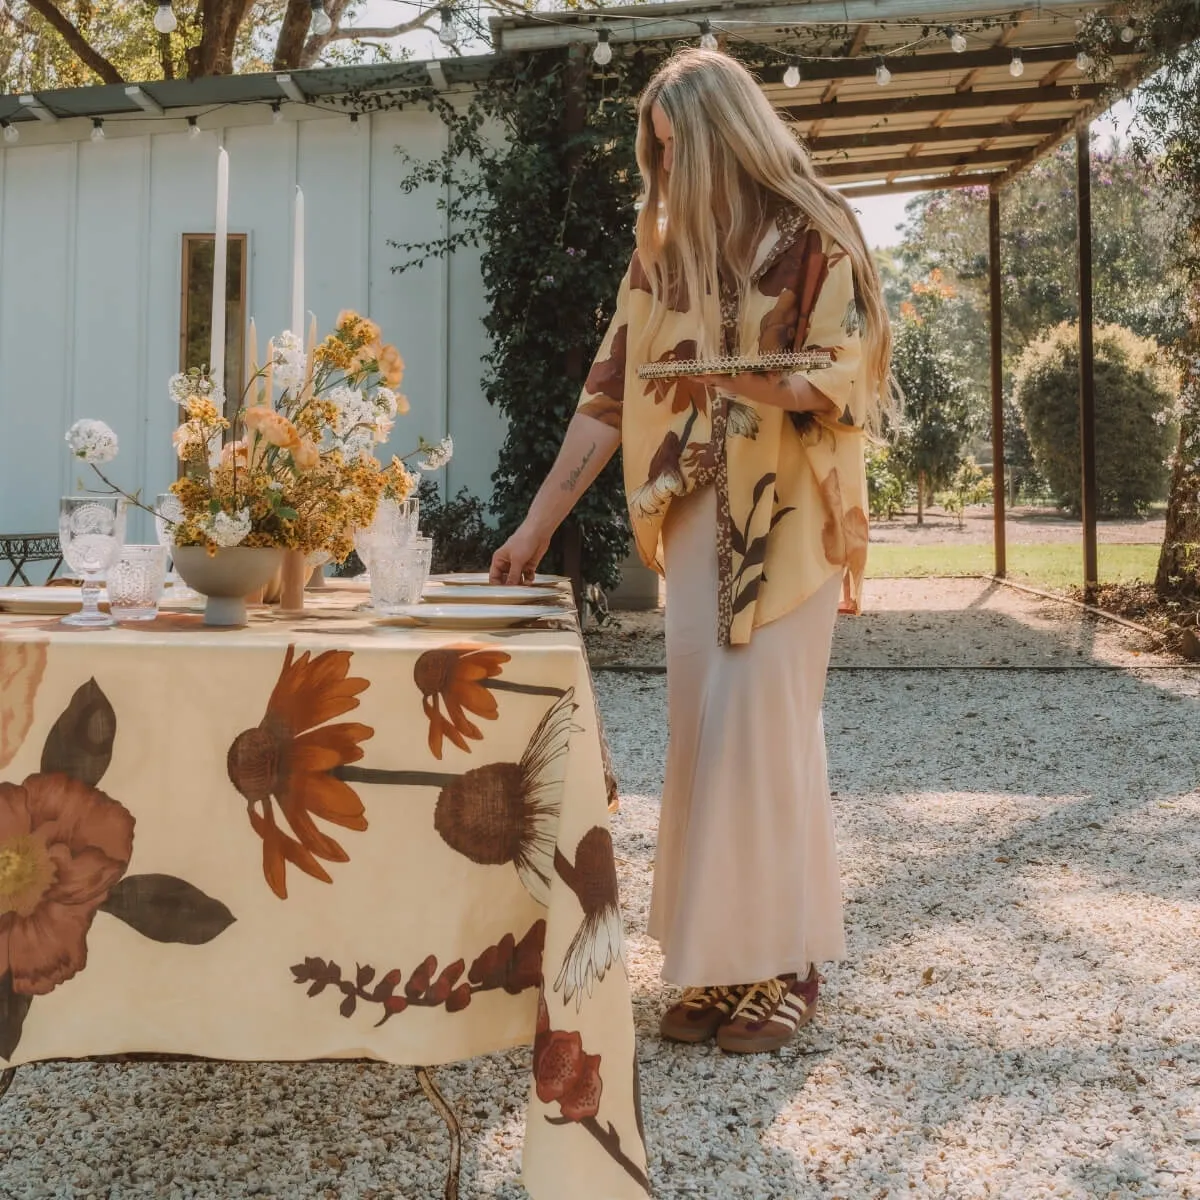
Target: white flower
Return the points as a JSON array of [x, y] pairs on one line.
[[438, 456], [179, 388], [383, 428], [93, 441], [228, 530], [290, 361]]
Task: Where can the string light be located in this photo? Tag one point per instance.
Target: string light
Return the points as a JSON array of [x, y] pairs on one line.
[[1128, 33], [193, 128], [602, 51], [164, 17], [958, 40], [320, 23], [882, 75], [1016, 68], [708, 39], [1083, 61], [791, 77], [448, 34], [97, 129], [276, 112], [11, 132], [354, 124]]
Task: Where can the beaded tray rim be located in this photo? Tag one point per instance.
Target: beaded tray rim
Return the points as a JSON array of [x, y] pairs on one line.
[[801, 360]]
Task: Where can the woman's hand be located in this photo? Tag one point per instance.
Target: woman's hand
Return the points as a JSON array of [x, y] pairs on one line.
[[794, 393], [517, 560]]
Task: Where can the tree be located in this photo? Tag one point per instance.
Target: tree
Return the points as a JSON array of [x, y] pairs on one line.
[[928, 444], [1134, 403]]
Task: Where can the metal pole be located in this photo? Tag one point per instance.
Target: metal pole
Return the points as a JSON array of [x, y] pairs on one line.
[[995, 306], [1087, 383]]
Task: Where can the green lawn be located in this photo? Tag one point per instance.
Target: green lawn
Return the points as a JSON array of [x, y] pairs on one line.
[[1049, 566]]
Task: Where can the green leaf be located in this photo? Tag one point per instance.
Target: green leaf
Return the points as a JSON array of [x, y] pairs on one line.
[[166, 909], [288, 514], [80, 743]]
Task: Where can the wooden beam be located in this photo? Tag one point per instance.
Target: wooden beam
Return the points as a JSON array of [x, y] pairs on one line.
[[996, 295], [969, 80], [891, 136], [845, 110], [913, 162], [1061, 58], [1087, 380], [855, 48], [935, 183]]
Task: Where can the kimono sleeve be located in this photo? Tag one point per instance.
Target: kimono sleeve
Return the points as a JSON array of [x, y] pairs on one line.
[[603, 395], [835, 327]]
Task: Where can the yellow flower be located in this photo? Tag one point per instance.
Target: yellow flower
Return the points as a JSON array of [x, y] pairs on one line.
[[272, 427], [202, 409]]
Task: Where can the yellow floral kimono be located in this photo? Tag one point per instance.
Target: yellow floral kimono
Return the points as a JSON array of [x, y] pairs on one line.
[[791, 487]]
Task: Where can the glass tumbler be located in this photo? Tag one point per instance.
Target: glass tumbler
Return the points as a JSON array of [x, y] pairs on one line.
[[168, 509], [135, 583], [91, 530], [394, 583], [420, 561]]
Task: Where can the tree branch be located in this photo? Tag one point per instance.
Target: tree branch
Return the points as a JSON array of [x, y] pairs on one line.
[[86, 54], [379, 31]]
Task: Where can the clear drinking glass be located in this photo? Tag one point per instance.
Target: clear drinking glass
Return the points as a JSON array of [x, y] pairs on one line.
[[167, 510], [135, 583], [420, 551], [395, 525], [91, 531], [394, 582]]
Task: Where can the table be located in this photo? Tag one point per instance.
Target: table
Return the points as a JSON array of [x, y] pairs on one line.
[[320, 838], [20, 548]]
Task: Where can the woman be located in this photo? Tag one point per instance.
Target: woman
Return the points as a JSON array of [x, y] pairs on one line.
[[749, 492]]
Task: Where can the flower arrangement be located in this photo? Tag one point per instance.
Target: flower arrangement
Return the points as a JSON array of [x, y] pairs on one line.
[[293, 467]]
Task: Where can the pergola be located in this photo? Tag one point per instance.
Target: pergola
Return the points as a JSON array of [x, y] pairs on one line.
[[887, 102]]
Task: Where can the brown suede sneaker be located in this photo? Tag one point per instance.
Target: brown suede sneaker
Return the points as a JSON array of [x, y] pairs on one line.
[[697, 1016], [769, 1014]]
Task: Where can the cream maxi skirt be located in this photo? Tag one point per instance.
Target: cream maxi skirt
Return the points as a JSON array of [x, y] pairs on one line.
[[746, 877]]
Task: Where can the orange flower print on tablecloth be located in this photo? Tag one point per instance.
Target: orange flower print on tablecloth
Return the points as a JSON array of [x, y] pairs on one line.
[[457, 676], [22, 665], [290, 758], [63, 845]]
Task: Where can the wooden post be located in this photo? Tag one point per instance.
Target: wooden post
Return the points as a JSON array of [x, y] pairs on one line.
[[1087, 383], [997, 365]]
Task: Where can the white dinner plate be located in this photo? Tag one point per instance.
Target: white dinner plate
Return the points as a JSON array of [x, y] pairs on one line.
[[481, 579], [491, 594], [471, 616], [55, 601]]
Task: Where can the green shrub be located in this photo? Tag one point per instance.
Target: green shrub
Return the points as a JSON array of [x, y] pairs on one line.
[[1133, 432], [968, 485], [885, 489]]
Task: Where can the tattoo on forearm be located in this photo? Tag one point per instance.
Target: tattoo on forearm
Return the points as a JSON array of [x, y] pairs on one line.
[[573, 478]]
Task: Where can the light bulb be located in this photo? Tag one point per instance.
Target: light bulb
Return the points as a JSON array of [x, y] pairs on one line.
[[276, 113], [602, 51], [1128, 33], [1083, 61], [97, 129], [193, 128], [448, 33], [11, 132], [1016, 68], [164, 18], [958, 41], [320, 23], [708, 39], [791, 77], [882, 75]]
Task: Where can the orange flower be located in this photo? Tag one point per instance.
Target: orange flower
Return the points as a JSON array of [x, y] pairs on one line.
[[391, 366], [272, 427], [456, 675], [306, 455], [235, 454], [290, 758]]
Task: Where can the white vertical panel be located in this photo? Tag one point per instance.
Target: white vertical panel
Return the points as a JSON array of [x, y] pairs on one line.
[[106, 298], [410, 306], [34, 369]]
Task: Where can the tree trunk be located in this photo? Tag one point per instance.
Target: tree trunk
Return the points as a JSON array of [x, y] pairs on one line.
[[292, 34], [219, 22], [920, 497], [1179, 560]]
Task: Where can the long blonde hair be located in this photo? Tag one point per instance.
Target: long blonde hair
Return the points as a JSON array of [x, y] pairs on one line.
[[735, 157]]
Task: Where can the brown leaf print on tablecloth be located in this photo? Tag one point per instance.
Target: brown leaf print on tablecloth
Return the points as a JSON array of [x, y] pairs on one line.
[[509, 965], [509, 812], [599, 940], [454, 676], [63, 845], [290, 757], [22, 665]]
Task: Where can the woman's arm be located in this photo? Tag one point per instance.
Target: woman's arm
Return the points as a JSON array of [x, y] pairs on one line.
[[794, 393], [586, 450]]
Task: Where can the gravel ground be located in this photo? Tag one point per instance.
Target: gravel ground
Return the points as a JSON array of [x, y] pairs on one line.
[[1019, 1015]]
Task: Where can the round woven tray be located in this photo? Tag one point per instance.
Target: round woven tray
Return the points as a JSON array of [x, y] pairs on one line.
[[802, 360]]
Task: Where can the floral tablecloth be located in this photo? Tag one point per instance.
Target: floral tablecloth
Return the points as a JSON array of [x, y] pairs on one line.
[[317, 837]]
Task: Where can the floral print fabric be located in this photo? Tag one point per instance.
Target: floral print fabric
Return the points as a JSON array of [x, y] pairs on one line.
[[791, 487]]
